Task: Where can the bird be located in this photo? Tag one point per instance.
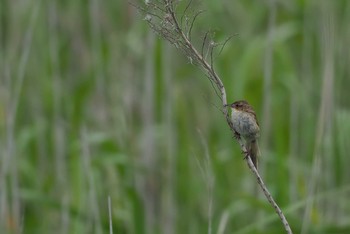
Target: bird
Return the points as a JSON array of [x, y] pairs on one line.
[[246, 126]]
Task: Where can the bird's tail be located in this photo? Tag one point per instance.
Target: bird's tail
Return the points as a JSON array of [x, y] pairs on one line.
[[253, 150]]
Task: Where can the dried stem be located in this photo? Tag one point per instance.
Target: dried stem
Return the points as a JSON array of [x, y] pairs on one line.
[[167, 26]]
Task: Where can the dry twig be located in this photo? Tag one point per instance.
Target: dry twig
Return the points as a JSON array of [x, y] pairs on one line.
[[162, 18]]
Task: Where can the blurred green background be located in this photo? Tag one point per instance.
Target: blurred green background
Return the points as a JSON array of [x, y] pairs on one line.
[[95, 105]]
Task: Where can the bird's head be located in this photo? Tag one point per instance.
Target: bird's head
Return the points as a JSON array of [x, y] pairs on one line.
[[240, 105]]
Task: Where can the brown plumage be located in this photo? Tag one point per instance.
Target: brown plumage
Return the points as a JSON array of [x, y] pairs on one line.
[[246, 126]]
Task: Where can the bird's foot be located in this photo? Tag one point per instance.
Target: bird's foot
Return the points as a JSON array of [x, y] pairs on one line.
[[236, 135], [246, 154]]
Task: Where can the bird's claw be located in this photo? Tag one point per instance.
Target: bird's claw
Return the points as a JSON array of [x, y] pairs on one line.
[[236, 135], [246, 154]]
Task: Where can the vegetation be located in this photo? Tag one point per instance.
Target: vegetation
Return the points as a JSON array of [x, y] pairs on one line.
[[95, 105]]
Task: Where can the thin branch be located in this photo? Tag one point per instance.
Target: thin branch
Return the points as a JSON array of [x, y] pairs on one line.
[[264, 188], [215, 88], [269, 196], [203, 43], [212, 45], [209, 46], [223, 44], [187, 7], [193, 20], [216, 106], [177, 36]]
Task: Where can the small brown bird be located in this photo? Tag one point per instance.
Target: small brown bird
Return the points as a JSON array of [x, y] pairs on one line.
[[246, 125]]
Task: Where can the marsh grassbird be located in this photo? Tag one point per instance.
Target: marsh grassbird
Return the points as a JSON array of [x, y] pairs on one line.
[[246, 126]]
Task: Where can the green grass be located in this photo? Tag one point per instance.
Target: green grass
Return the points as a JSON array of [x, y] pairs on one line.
[[93, 104]]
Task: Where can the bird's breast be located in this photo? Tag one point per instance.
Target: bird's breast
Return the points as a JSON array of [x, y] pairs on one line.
[[245, 124]]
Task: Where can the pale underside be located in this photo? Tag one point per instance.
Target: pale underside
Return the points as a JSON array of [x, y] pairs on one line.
[[245, 124]]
